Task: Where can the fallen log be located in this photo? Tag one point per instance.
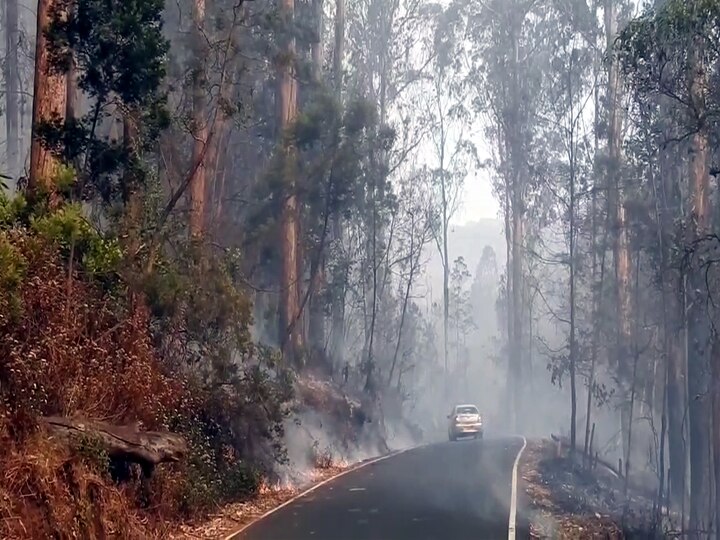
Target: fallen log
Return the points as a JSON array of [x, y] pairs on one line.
[[122, 443]]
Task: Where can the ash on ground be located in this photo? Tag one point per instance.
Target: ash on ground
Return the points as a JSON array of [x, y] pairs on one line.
[[568, 499]]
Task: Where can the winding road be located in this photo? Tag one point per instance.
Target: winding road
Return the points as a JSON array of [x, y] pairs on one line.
[[447, 491]]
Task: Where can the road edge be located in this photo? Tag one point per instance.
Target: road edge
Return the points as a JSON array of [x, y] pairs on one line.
[[309, 490], [512, 521]]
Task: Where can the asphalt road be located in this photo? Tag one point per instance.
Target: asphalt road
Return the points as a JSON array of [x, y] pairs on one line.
[[445, 491]]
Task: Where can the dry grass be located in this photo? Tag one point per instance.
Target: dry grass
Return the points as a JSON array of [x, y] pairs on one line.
[[48, 491], [71, 349]]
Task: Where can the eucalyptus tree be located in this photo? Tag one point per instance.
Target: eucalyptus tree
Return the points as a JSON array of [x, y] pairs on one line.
[[506, 77], [670, 56], [453, 151]]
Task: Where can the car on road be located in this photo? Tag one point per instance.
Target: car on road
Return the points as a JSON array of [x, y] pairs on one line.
[[465, 420]]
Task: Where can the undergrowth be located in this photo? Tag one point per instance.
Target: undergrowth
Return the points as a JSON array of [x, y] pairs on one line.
[[173, 352]]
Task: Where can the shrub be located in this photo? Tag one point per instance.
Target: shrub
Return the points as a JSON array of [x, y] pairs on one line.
[[178, 358]]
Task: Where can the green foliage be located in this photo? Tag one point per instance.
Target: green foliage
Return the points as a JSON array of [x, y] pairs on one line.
[[240, 481], [656, 49], [119, 52], [12, 209], [91, 450], [68, 228], [317, 122], [12, 272]]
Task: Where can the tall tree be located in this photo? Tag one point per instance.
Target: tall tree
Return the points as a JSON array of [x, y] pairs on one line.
[[198, 187], [699, 339], [451, 148], [49, 96], [339, 280], [621, 247], [290, 329], [12, 87]]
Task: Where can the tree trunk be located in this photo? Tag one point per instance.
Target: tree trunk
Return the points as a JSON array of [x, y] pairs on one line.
[[673, 325], [316, 322], [71, 106], [715, 360], [621, 253], [49, 97], [597, 284], [199, 124], [509, 286], [316, 52], [446, 269], [573, 352], [339, 51], [290, 330], [12, 85], [370, 359], [132, 197], [339, 275], [698, 323], [517, 171]]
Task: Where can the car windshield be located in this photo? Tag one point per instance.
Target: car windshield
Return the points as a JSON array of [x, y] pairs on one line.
[[467, 410]]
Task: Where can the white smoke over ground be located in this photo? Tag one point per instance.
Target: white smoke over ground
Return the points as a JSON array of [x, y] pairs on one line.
[[477, 372], [331, 429]]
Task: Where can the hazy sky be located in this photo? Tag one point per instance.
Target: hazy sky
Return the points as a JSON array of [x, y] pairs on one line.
[[477, 201]]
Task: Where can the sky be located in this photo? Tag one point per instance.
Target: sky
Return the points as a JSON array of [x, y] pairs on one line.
[[477, 201]]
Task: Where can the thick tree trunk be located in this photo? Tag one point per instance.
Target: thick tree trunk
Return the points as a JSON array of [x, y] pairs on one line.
[[715, 360], [198, 186], [339, 275], [290, 329], [12, 86], [516, 170], [49, 97], [698, 324], [316, 319], [621, 252], [673, 326]]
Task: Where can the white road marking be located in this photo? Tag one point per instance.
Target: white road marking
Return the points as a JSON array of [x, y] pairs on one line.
[[357, 467], [513, 494], [356, 489]]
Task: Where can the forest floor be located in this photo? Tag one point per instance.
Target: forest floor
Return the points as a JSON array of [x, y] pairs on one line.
[[565, 500]]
